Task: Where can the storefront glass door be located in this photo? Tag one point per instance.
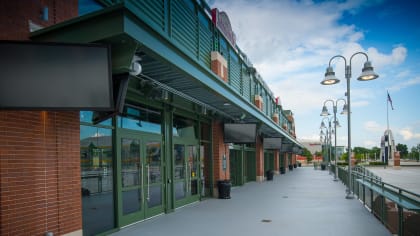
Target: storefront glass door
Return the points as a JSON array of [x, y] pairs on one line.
[[187, 174], [141, 180]]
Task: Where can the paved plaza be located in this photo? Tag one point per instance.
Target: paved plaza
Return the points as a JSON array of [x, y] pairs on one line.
[[301, 202], [406, 177]]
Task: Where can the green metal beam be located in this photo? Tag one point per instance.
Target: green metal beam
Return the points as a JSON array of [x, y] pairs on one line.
[[125, 31], [168, 52]]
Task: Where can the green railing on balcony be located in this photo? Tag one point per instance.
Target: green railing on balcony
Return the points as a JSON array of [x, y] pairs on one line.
[[188, 25], [397, 208]]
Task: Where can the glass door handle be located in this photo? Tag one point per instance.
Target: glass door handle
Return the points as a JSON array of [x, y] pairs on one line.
[[141, 182], [186, 177], [148, 182]]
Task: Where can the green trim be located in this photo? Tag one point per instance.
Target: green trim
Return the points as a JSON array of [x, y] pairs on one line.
[[169, 167], [387, 193], [144, 212], [188, 198], [123, 23]]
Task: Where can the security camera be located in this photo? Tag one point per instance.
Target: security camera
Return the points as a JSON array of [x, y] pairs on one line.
[[135, 68]]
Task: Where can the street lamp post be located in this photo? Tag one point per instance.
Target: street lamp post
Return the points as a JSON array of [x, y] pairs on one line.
[[325, 149], [326, 113], [328, 136], [367, 74]]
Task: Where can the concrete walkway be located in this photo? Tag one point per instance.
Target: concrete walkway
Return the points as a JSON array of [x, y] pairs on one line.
[[302, 202]]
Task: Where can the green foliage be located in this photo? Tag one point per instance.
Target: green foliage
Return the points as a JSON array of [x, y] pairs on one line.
[[376, 163], [415, 153], [307, 154], [344, 157], [402, 148], [361, 152]]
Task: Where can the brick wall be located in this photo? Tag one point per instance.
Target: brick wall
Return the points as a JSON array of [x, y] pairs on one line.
[[39, 151], [39, 173], [285, 160], [259, 156], [219, 66], [15, 15], [219, 149], [276, 161]]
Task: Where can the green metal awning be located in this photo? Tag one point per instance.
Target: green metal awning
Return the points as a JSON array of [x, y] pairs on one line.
[[162, 61]]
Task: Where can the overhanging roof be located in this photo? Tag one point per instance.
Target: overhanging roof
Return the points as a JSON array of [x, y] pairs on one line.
[[162, 61]]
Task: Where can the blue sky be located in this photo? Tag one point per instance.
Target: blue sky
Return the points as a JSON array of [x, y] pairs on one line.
[[291, 42]]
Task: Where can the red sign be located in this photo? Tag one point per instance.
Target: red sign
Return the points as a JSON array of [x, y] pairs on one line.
[[222, 22]]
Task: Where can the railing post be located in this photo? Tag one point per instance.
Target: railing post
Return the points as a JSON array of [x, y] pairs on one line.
[[400, 221], [383, 210]]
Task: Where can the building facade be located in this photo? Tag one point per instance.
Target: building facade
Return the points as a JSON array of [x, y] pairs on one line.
[[77, 172]]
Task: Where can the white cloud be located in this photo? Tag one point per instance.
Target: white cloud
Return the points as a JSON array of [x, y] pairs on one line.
[[403, 74], [380, 60], [373, 126], [370, 143], [408, 134], [290, 44], [405, 84], [97, 134]]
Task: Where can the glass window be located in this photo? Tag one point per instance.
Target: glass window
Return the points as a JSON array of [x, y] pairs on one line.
[[87, 117], [130, 162], [155, 196], [179, 155], [154, 161], [183, 127], [131, 200], [96, 157], [88, 6], [141, 119]]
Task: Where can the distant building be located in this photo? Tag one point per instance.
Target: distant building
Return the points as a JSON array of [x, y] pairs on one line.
[[312, 146]]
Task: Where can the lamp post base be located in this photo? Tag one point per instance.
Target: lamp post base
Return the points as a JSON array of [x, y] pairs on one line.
[[349, 194], [335, 179]]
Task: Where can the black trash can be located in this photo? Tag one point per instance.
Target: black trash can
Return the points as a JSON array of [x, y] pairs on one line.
[[270, 174], [294, 165], [282, 170], [299, 164], [323, 166], [290, 167], [224, 189]]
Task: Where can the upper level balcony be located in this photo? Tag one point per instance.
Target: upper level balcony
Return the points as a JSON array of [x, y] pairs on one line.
[[185, 46]]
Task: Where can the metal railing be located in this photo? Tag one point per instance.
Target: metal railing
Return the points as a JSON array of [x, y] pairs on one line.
[[366, 172], [398, 209]]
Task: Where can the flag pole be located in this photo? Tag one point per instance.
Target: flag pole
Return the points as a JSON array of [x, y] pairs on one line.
[[387, 131], [387, 108]]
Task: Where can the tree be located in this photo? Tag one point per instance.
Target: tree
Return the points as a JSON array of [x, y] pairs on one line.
[[306, 153], [344, 157], [360, 152], [318, 153], [402, 148], [375, 152], [415, 152]]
